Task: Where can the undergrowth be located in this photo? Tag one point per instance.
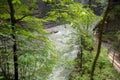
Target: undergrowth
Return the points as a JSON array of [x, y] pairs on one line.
[[104, 69]]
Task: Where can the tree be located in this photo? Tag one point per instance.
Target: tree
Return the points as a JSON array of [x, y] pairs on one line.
[[21, 29], [102, 24], [13, 21]]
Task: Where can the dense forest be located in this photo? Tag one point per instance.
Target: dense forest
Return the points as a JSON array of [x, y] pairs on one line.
[[59, 40]]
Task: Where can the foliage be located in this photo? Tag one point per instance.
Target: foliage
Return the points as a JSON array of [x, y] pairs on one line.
[[104, 68], [36, 54]]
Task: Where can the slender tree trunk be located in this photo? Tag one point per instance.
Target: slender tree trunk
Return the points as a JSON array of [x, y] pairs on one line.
[[81, 53], [90, 2], [102, 23], [81, 56], [13, 21]]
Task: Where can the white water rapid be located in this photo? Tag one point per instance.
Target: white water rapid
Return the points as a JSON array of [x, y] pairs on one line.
[[64, 41]]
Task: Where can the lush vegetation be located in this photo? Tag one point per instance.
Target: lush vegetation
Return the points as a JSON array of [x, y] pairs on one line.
[[19, 30], [113, 23], [104, 69], [27, 54]]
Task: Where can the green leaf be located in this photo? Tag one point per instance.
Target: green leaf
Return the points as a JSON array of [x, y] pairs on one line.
[[16, 1]]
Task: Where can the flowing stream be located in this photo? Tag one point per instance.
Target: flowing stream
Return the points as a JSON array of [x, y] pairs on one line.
[[64, 40]]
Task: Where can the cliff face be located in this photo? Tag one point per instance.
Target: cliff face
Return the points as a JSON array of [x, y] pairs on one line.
[[43, 7], [113, 17], [112, 28], [96, 6]]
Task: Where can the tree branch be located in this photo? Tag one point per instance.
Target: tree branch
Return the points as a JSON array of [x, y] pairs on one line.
[[17, 20]]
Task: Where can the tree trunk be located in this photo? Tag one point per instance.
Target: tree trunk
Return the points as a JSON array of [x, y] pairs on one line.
[[13, 21], [90, 2], [102, 24], [81, 54]]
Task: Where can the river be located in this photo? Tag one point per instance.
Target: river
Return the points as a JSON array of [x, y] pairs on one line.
[[64, 40]]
